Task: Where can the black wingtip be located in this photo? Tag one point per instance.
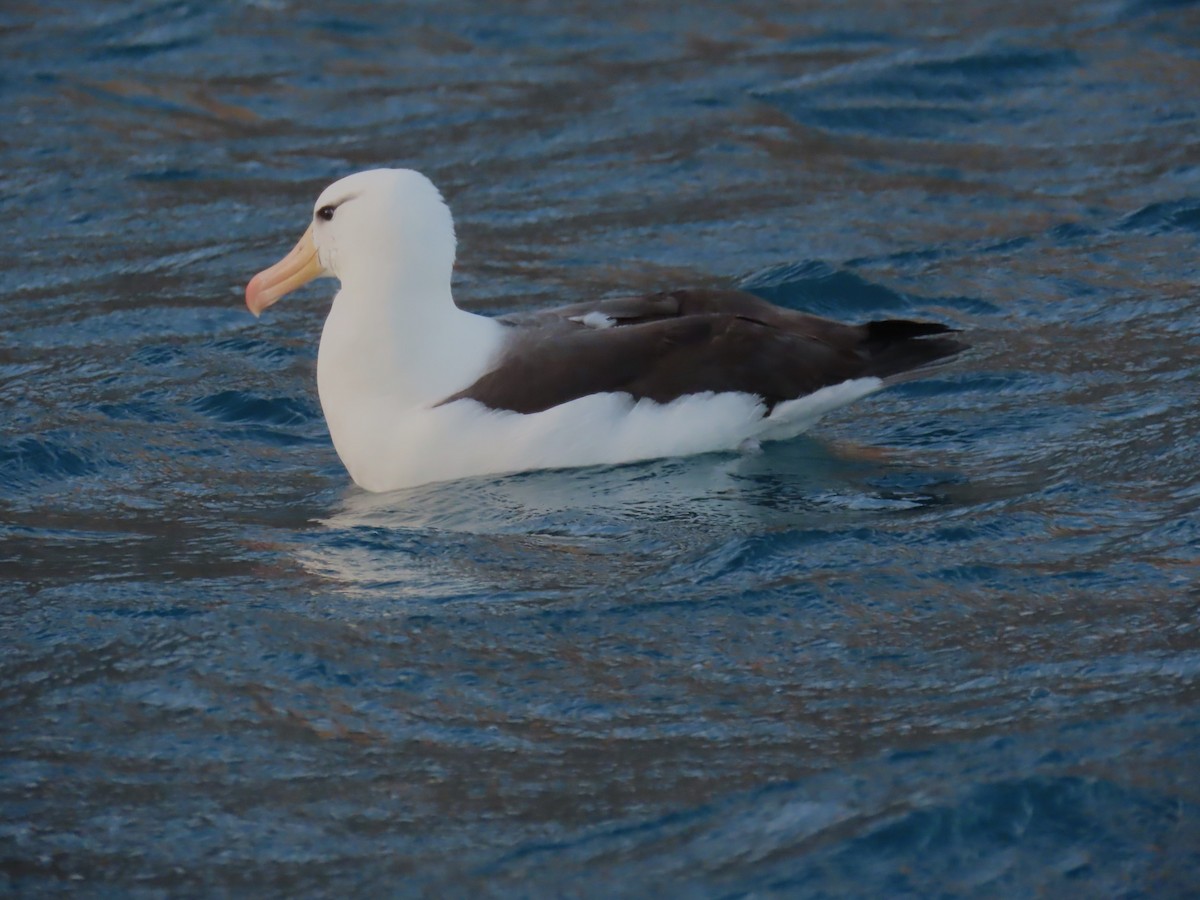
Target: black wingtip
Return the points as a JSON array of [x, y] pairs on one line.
[[900, 345], [887, 331]]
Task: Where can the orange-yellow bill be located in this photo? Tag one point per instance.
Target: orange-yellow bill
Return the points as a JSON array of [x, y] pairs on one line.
[[297, 268]]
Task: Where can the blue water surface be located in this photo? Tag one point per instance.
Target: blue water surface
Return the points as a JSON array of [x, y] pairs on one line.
[[947, 645]]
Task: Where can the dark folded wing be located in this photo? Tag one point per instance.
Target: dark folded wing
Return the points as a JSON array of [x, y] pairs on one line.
[[664, 346]]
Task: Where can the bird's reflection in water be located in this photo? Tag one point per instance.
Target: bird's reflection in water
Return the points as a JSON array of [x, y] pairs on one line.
[[547, 531]]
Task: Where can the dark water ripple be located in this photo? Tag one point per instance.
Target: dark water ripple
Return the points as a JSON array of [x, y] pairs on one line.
[[945, 646]]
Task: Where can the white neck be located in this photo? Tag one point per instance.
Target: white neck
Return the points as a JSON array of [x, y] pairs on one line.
[[386, 352]]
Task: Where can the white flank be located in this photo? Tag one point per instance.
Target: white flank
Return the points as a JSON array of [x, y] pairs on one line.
[[465, 438]]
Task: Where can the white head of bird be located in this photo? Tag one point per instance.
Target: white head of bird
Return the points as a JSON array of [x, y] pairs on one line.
[[371, 229]]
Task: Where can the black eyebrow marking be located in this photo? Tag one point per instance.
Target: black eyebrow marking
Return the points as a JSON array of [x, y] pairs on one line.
[[336, 203]]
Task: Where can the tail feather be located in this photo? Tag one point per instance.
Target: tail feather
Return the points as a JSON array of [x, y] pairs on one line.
[[900, 345]]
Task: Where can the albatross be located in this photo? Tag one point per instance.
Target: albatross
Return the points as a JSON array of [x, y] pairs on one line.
[[416, 390]]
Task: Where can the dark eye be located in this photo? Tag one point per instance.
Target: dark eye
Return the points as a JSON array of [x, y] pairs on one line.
[[326, 212]]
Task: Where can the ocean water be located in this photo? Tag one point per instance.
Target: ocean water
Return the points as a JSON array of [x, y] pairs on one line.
[[946, 645]]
